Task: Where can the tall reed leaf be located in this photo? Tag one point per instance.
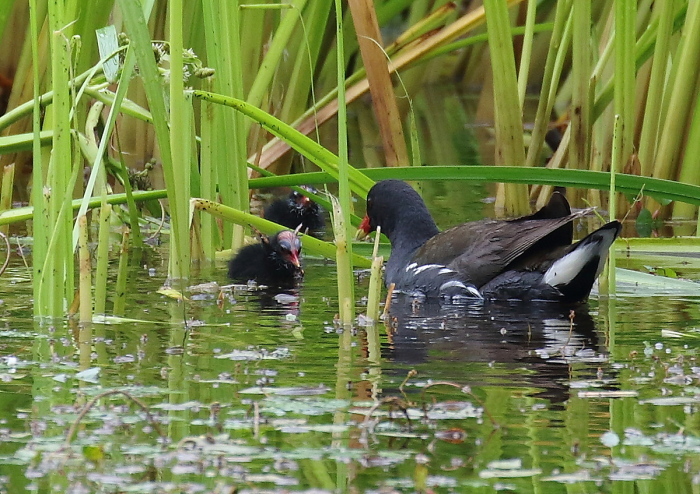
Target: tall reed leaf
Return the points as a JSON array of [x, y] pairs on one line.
[[40, 213], [341, 209], [681, 96], [385, 109], [655, 92], [510, 147], [315, 152], [153, 85], [55, 286]]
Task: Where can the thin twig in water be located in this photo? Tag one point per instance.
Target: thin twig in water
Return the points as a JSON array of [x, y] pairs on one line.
[[393, 401], [463, 389], [409, 375], [7, 258], [21, 253], [387, 303], [638, 198], [91, 403], [572, 316], [162, 221]]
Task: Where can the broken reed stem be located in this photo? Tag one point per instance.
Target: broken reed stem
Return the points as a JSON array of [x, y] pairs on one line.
[[102, 259], [85, 272], [343, 265], [122, 275], [375, 280]]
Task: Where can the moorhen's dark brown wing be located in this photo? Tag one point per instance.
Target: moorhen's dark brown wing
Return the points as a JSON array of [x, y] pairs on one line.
[[481, 250]]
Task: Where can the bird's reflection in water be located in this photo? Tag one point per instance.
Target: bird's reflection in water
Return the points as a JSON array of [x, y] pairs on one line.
[[510, 343]]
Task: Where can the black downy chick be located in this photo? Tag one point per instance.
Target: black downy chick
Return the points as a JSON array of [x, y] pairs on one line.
[[273, 261], [297, 209]]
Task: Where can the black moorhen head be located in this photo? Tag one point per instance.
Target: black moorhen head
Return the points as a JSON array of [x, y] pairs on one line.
[[524, 258], [273, 261], [295, 210]]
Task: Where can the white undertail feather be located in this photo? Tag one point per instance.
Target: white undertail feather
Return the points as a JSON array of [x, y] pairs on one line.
[[564, 270]]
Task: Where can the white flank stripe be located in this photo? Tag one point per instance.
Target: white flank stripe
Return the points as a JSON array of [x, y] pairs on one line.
[[447, 271], [411, 266], [425, 267]]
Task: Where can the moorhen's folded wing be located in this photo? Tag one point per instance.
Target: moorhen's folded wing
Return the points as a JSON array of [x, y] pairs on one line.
[[481, 250]]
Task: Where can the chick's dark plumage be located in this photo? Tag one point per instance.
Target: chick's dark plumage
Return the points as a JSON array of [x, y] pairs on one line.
[[273, 261], [294, 210]]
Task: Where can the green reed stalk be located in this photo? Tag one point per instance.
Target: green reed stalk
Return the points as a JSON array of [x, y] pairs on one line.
[[274, 53], [152, 83], [655, 91], [5, 15], [624, 83], [527, 51], [96, 159], [209, 238], [346, 285], [579, 147], [102, 257], [237, 192], [254, 32], [122, 276], [8, 176], [26, 213], [227, 154], [310, 44], [558, 46], [24, 142], [615, 166], [690, 171], [510, 147], [413, 139], [180, 135], [85, 272], [643, 49], [56, 284], [682, 90], [39, 213]]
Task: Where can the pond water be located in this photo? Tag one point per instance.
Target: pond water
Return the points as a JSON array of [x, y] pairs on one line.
[[263, 392]]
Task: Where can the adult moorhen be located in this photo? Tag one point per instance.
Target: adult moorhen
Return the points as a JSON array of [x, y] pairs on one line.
[[273, 261], [295, 210], [526, 258]]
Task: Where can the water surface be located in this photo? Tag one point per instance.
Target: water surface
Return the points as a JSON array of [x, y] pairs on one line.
[[267, 394]]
